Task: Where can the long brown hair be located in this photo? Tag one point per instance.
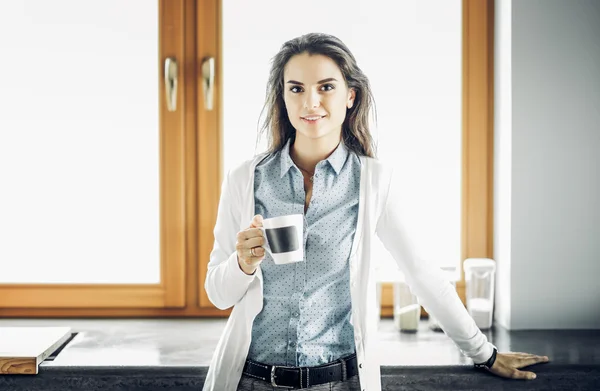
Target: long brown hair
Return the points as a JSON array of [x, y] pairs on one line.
[[355, 129]]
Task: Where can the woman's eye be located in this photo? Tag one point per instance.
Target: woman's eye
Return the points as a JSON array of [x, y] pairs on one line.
[[295, 89], [328, 87]]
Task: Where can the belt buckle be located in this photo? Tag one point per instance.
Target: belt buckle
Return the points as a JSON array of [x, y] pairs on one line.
[[273, 383]]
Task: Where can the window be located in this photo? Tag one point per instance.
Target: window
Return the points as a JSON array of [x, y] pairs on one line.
[[85, 131]]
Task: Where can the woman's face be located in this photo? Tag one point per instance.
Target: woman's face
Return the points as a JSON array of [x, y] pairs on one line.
[[316, 96]]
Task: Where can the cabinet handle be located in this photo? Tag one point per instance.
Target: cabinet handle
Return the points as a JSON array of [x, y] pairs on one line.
[[171, 83], [208, 81]]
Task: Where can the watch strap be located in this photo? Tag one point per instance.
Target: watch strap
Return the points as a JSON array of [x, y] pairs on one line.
[[488, 364]]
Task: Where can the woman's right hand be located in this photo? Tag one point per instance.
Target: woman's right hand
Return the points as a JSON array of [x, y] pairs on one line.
[[250, 252]]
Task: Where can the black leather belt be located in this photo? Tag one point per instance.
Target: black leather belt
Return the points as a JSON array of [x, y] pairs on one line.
[[303, 377]]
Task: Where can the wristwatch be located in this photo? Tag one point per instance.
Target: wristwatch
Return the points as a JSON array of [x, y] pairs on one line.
[[488, 364]]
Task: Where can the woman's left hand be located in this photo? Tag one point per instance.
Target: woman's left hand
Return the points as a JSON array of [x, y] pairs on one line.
[[508, 365]]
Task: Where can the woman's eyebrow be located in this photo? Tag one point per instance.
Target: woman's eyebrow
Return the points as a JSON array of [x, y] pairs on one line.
[[319, 82]]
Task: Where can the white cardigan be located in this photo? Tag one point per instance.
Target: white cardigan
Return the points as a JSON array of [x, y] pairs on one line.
[[379, 213]]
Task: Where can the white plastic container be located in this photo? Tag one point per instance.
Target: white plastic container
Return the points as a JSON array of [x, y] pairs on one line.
[[480, 275], [407, 310]]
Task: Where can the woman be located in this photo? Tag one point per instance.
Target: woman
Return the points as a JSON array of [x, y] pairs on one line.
[[312, 324]]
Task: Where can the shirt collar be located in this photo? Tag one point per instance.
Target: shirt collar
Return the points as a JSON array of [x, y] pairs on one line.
[[336, 159]]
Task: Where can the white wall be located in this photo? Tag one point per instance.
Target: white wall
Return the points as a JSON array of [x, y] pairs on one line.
[[502, 156], [550, 142]]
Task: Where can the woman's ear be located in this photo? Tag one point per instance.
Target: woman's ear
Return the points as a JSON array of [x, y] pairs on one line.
[[351, 97]]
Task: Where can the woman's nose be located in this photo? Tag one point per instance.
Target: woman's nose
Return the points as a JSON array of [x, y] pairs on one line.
[[312, 99]]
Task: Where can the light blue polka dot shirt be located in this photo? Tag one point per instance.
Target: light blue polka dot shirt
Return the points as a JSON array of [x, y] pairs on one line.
[[305, 320]]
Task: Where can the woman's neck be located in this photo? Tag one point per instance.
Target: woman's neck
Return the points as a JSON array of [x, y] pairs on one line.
[[307, 152]]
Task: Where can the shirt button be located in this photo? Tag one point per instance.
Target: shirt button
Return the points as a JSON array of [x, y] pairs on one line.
[[295, 314], [360, 365], [292, 344]]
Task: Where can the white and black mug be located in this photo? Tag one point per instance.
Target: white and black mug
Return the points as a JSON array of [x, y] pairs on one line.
[[284, 238]]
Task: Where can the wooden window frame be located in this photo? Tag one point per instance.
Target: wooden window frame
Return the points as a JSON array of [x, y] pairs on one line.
[[191, 174]]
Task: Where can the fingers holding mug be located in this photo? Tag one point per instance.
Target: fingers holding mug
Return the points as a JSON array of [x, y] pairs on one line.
[[250, 259], [249, 249], [257, 221], [257, 252]]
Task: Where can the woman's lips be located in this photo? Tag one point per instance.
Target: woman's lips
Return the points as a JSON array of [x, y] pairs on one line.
[[312, 119]]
